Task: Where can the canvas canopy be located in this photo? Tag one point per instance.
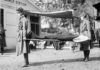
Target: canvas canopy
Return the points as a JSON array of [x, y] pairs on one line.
[[57, 14]]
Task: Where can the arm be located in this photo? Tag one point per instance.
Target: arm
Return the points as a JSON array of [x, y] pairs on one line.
[[88, 29], [24, 27]]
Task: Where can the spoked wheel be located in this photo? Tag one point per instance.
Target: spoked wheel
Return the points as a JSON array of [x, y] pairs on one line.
[[56, 45], [2, 50]]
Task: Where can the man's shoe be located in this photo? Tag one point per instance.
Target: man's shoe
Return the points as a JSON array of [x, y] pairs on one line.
[[86, 60], [26, 65]]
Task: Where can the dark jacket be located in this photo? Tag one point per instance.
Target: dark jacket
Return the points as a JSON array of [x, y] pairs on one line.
[[98, 34]]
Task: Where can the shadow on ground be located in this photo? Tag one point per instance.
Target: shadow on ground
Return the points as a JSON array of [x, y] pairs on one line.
[[64, 61], [12, 50]]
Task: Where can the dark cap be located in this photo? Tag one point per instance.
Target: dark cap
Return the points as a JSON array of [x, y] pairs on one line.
[[20, 10]]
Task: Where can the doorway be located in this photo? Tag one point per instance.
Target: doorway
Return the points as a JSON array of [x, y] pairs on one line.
[[2, 31]]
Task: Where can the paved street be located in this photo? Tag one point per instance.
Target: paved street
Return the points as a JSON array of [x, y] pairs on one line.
[[50, 59]]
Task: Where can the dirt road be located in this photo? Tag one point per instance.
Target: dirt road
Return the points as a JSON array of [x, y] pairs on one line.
[[50, 59]]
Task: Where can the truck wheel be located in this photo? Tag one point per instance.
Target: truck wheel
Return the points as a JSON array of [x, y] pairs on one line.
[[2, 50], [56, 45]]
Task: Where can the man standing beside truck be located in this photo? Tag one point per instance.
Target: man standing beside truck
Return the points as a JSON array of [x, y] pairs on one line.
[[23, 31]]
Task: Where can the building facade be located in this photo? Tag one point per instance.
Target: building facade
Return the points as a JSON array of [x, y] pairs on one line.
[[9, 18]]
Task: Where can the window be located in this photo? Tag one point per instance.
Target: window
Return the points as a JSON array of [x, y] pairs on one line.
[[35, 26], [34, 19]]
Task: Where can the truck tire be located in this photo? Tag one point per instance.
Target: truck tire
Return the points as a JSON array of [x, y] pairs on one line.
[[56, 45]]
